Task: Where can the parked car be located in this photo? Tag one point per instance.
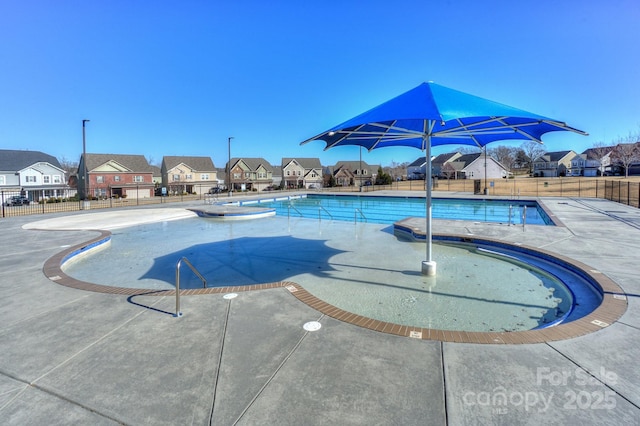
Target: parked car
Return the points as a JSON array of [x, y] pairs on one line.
[[17, 200]]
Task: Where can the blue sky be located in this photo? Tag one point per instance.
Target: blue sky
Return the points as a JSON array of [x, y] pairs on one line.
[[179, 77]]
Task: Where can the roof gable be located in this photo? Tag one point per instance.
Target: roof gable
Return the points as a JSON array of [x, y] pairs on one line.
[[306, 163], [195, 164], [252, 163], [14, 160], [131, 163]]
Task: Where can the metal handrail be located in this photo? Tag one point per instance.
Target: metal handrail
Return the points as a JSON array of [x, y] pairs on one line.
[[326, 211], [210, 199], [361, 214], [289, 207], [195, 271]]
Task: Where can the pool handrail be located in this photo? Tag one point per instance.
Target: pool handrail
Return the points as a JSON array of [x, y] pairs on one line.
[[320, 208], [355, 215], [195, 271], [289, 207]]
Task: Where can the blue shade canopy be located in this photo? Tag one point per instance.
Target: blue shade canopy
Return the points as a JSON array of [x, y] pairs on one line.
[[442, 116]]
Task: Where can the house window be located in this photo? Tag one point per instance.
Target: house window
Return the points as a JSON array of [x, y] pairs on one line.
[[46, 179], [262, 175], [138, 178], [364, 172], [100, 179], [176, 178], [188, 177], [247, 175], [3, 180], [288, 172], [57, 179], [237, 175], [298, 172], [30, 179], [204, 176], [116, 178]]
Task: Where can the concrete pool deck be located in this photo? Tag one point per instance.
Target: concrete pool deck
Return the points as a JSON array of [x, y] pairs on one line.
[[73, 356]]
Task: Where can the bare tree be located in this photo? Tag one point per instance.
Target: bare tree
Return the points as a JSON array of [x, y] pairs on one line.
[[504, 155], [627, 151], [468, 149], [532, 150], [152, 161], [71, 167], [598, 152]]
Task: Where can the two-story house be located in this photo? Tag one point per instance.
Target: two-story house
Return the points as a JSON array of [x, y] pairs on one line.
[[250, 174], [114, 175], [301, 173], [418, 169], [474, 166], [553, 164], [192, 175], [353, 173], [33, 174], [592, 162]]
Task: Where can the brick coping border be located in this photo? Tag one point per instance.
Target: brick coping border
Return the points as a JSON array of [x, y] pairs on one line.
[[613, 306]]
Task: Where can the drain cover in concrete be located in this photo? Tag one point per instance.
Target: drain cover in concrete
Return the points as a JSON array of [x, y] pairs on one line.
[[312, 326]]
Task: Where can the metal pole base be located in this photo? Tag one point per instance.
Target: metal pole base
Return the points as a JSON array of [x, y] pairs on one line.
[[428, 268]]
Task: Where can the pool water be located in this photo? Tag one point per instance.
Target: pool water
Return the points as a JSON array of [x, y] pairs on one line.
[[380, 209], [361, 268]]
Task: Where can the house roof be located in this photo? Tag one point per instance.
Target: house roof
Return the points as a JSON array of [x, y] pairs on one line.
[[467, 158], [197, 164], [14, 160], [355, 165], [421, 161], [597, 153], [443, 158], [554, 156], [307, 163], [253, 163], [156, 171], [135, 163]]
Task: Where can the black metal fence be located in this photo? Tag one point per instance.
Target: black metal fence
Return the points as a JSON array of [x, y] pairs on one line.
[[624, 192], [618, 190], [15, 204]]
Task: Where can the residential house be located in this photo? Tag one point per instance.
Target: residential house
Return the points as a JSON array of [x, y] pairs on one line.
[[592, 162], [301, 173], [157, 176], [625, 159], [250, 174], [418, 169], [353, 173], [277, 176], [115, 175], [553, 164], [191, 175], [474, 166], [33, 174]]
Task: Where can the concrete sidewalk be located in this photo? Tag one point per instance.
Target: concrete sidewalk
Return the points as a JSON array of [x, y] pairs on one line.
[[76, 357]]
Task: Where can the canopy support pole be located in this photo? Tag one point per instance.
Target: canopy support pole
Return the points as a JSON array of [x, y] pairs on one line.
[[429, 265]]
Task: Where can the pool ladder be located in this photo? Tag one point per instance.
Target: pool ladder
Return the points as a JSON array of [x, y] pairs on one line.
[[524, 216], [355, 215], [195, 271]]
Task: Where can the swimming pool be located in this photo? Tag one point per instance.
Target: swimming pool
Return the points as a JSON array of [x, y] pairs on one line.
[[384, 209], [362, 269]]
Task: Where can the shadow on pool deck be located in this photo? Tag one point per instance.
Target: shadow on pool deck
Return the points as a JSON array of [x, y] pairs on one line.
[[71, 356]]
